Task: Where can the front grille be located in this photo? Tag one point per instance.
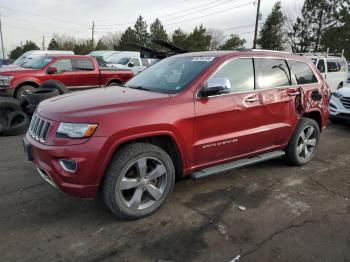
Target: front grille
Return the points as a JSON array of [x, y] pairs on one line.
[[39, 128], [346, 102]]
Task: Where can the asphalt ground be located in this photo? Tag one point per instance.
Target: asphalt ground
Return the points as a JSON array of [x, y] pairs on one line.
[[291, 214]]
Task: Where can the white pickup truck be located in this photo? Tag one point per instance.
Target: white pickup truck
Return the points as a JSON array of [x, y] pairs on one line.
[[130, 60]]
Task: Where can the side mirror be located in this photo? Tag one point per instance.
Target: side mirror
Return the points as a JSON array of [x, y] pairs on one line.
[[131, 64], [215, 86], [51, 70]]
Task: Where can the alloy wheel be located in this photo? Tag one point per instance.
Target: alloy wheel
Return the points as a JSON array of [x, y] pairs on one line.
[[143, 183], [307, 142]]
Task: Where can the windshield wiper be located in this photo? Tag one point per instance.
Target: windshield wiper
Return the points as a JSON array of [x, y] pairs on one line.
[[139, 88]]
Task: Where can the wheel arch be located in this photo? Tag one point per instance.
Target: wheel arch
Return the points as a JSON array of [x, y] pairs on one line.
[[29, 83], [114, 80], [315, 115], [165, 141]]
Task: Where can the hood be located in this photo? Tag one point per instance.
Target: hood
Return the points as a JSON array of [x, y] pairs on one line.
[[15, 69], [345, 91], [90, 105]]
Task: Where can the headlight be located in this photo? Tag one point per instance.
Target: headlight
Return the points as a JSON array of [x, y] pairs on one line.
[[337, 95], [75, 130], [5, 80]]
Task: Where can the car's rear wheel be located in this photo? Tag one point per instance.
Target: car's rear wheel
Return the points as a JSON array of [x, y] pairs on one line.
[[138, 180], [304, 142]]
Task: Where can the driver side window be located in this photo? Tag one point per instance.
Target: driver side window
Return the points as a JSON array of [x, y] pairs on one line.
[[64, 65], [240, 74]]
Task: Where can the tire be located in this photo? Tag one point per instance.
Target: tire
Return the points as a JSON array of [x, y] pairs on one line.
[[7, 105], [40, 94], [303, 145], [123, 166], [4, 95], [336, 121], [17, 124], [53, 84], [23, 91], [113, 84]]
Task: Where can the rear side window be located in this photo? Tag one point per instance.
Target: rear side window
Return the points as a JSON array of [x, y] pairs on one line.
[[240, 73], [333, 66], [302, 72], [145, 61], [83, 64], [271, 73]]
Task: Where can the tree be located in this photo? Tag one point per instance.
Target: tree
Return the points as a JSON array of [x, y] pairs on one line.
[[83, 48], [233, 43], [128, 36], [53, 45], [272, 33], [16, 52], [198, 40], [111, 40], [141, 33], [101, 45], [179, 38], [217, 38], [158, 31]]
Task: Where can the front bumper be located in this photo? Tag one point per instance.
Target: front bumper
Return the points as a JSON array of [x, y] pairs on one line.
[[337, 110], [84, 182], [7, 90]]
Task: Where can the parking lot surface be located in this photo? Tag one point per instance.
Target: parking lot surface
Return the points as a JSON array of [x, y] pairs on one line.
[[267, 212]]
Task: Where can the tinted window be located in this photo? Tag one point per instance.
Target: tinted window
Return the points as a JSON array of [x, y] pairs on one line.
[[63, 65], [271, 73], [302, 73], [135, 61], [37, 63], [333, 66], [321, 66], [240, 73], [83, 64]]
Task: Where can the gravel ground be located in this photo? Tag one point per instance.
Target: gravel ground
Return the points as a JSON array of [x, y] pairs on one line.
[[267, 212]]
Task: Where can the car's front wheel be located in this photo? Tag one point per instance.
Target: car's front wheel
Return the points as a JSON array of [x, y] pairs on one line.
[[139, 179], [304, 142]]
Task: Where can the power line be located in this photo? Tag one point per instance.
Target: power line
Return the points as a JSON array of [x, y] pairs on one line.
[[210, 14], [181, 12]]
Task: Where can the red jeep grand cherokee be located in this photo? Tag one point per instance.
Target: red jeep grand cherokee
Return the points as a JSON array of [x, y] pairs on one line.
[[192, 114]]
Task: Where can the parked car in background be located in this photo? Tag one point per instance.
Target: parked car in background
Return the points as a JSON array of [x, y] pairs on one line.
[[130, 60], [104, 54], [348, 73], [29, 55], [333, 69], [194, 114], [5, 62], [75, 72], [340, 105]]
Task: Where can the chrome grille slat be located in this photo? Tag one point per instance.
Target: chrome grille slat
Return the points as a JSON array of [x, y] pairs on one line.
[[346, 102], [39, 128]]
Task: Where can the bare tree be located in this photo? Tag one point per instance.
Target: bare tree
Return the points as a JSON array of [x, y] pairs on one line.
[[111, 39], [217, 38]]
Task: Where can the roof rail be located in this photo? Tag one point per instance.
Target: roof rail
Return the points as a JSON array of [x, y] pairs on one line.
[[275, 51]]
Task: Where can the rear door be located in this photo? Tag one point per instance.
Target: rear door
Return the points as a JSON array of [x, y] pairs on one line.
[[86, 75], [64, 73], [277, 96], [226, 123]]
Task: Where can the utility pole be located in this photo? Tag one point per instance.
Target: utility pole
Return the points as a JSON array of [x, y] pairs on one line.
[[92, 35], [256, 24], [2, 41], [43, 42]]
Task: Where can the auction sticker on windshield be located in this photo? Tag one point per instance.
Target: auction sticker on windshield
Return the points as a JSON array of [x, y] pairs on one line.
[[203, 58]]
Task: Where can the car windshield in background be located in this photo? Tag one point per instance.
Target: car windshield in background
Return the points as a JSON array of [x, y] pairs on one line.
[[38, 63], [123, 60], [170, 75]]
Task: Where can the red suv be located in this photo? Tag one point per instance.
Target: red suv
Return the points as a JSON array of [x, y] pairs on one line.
[[193, 114]]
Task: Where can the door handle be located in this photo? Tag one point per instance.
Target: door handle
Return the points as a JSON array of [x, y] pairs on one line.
[[294, 93], [251, 99]]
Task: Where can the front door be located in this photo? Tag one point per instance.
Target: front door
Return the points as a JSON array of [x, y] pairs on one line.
[[65, 73], [226, 123]]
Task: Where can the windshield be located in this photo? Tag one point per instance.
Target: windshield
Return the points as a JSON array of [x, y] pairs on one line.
[[122, 61], [38, 63], [170, 75]]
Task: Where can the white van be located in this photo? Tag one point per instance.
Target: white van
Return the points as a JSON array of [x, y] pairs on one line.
[[37, 53], [334, 69]]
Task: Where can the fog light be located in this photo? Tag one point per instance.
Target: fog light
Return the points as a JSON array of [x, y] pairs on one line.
[[68, 165]]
